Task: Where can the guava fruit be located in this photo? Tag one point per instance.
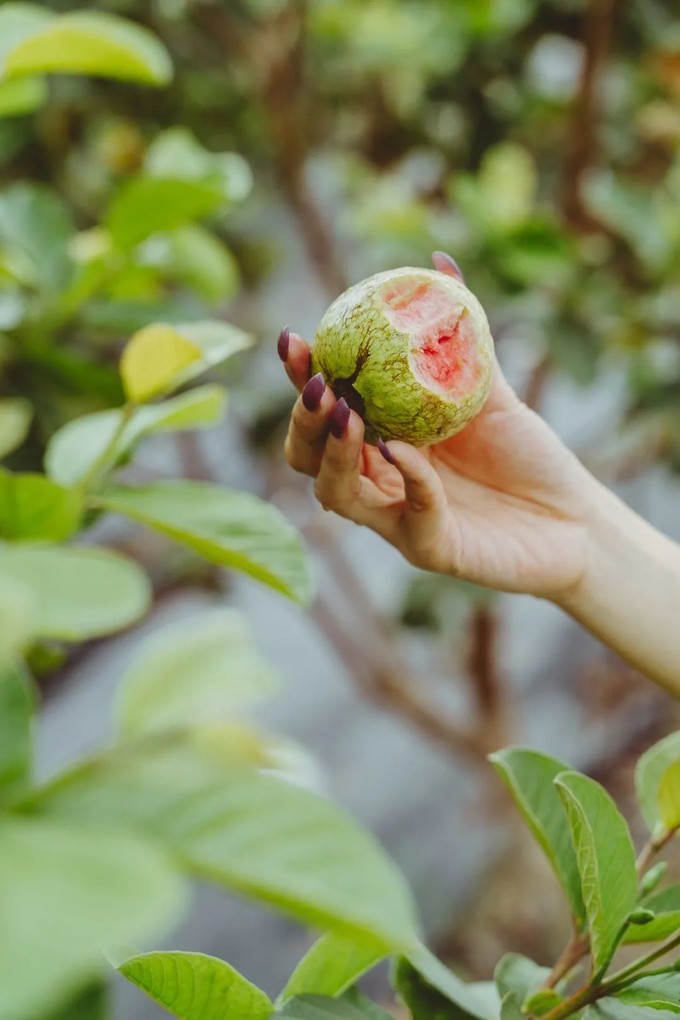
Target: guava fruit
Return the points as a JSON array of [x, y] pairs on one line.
[[411, 351]]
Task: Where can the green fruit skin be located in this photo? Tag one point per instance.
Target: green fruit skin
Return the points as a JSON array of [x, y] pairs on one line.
[[356, 333]]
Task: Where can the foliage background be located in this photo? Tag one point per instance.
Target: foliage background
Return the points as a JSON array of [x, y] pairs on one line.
[[537, 141]]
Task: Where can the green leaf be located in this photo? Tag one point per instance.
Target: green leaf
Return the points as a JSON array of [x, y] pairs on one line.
[[67, 892], [160, 357], [89, 1004], [529, 777], [20, 96], [176, 153], [203, 670], [333, 964], [251, 832], [78, 593], [480, 1000], [91, 42], [18, 21], [669, 797], [658, 991], [649, 770], [423, 1001], [15, 421], [315, 1007], [197, 987], [17, 619], [666, 906], [197, 258], [233, 529], [606, 861], [75, 447], [33, 507], [17, 707], [36, 226], [541, 1002], [510, 1007], [148, 205], [520, 975], [508, 183]]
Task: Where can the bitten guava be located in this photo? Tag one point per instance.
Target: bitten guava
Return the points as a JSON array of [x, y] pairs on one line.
[[411, 351]]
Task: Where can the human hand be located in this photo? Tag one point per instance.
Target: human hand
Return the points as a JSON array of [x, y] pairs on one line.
[[502, 503]]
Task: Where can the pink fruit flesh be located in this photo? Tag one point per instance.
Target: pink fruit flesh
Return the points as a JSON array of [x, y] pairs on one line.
[[442, 337]]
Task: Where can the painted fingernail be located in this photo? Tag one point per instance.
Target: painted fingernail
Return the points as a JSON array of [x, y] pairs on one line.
[[444, 263], [386, 452], [313, 392], [283, 343], [339, 418]]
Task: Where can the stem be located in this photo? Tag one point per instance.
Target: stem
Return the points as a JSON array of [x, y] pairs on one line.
[[574, 951], [91, 476], [652, 847]]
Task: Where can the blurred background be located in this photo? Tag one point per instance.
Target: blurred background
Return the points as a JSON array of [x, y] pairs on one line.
[[537, 141]]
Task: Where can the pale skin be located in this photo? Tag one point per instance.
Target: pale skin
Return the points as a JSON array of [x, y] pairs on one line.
[[504, 504]]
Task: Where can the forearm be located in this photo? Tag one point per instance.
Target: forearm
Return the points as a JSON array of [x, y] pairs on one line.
[[629, 595]]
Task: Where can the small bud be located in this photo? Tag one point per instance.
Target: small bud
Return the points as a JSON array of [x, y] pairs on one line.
[[541, 1002], [641, 916], [651, 878]]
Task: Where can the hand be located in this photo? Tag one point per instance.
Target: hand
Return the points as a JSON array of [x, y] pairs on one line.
[[502, 503]]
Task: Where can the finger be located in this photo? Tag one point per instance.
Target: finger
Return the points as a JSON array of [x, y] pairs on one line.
[[308, 426], [443, 263], [294, 353], [340, 485], [425, 509]]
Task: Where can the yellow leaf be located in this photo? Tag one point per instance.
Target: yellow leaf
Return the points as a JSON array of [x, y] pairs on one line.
[[669, 796], [155, 360]]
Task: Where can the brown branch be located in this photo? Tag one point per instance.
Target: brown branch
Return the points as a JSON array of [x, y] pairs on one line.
[[582, 140], [482, 670], [652, 847]]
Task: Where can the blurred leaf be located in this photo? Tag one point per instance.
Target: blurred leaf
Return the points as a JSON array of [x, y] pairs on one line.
[[68, 891], [473, 1000], [20, 96], [606, 861], [656, 991], [233, 529], [648, 772], [315, 1007], [541, 1001], [202, 670], [508, 183], [520, 975], [35, 222], [89, 1004], [424, 1002], [17, 619], [669, 796], [575, 351], [633, 212], [33, 507], [250, 832], [196, 987], [176, 153], [160, 357], [17, 707], [196, 258], [89, 42], [15, 421], [78, 593], [75, 447], [333, 964], [148, 205], [529, 776], [18, 21]]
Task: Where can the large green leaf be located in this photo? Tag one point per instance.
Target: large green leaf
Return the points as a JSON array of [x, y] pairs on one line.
[[18, 21], [33, 507], [17, 707], [233, 529], [480, 1001], [333, 964], [176, 153], [36, 227], [520, 975], [666, 906], [197, 987], [649, 770], [148, 205], [78, 593], [315, 1007], [251, 832], [658, 991], [200, 670], [669, 797], [162, 357], [20, 96], [15, 421], [529, 777], [194, 256], [67, 892], [89, 42], [606, 861], [78, 444]]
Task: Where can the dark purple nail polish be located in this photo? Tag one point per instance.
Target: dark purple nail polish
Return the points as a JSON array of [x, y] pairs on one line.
[[283, 343], [313, 392], [386, 452], [340, 418], [444, 263]]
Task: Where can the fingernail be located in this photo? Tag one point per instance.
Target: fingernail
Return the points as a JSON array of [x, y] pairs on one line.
[[283, 343], [444, 263], [386, 452], [339, 418], [313, 392]]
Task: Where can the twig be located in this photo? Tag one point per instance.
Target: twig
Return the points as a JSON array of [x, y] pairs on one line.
[[652, 847], [576, 948], [482, 669]]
